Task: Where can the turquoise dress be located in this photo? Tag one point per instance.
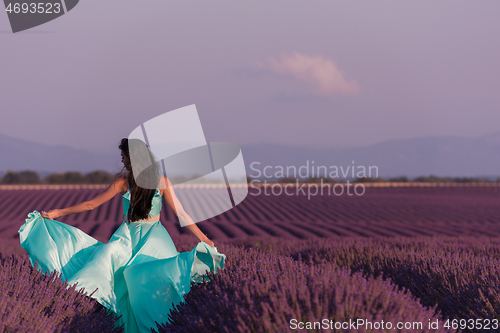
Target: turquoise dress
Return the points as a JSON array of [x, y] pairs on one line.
[[138, 274]]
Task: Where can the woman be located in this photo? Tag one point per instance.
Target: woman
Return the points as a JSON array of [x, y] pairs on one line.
[[138, 274]]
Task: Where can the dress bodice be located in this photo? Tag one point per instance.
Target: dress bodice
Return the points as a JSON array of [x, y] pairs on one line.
[[156, 203]]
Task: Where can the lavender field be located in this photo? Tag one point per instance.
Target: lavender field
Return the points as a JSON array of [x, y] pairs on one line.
[[396, 254]]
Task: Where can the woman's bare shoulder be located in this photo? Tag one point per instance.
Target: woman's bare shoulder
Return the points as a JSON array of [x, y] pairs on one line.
[[164, 184], [121, 184]]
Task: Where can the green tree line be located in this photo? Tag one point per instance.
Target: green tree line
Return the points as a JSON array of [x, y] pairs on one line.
[[104, 177], [430, 179], [72, 177]]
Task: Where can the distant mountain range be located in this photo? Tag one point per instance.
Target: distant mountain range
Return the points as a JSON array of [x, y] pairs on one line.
[[442, 156], [18, 154]]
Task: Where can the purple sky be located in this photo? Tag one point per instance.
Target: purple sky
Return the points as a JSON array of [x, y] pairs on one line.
[[323, 72]]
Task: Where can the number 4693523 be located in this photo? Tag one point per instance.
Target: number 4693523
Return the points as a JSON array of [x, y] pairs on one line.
[[32, 8]]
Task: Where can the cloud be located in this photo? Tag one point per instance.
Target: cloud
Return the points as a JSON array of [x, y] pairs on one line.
[[322, 73]]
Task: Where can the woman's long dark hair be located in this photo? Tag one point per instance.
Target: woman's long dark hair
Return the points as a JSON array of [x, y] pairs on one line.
[[143, 185]]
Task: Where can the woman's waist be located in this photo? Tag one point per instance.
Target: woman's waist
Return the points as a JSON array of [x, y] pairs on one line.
[[148, 220]]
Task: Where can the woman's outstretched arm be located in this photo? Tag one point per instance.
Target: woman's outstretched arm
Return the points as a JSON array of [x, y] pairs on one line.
[[105, 196], [186, 219], [182, 215]]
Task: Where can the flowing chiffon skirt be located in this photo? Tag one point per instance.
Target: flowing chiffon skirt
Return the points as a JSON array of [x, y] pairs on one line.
[[138, 274]]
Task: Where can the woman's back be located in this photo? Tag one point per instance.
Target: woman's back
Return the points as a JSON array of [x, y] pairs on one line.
[[156, 205]]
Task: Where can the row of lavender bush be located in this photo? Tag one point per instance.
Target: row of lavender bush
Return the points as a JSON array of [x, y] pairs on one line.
[[263, 292], [458, 275], [269, 281], [31, 301]]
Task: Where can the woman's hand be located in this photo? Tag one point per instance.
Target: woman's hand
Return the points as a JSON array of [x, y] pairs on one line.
[[51, 214], [209, 242]]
